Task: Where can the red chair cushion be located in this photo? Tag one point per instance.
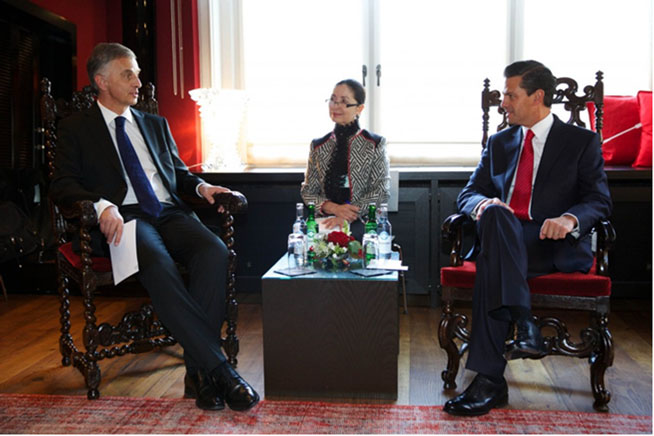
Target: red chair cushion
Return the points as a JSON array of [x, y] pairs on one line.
[[570, 284], [100, 264], [621, 113], [644, 158]]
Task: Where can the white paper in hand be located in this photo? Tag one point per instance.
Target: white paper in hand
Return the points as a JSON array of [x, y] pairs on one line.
[[123, 256]]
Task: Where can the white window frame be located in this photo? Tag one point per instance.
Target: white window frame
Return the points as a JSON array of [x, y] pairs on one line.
[[224, 17]]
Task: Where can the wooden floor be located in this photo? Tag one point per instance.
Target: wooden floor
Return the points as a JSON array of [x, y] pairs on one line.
[[31, 363]]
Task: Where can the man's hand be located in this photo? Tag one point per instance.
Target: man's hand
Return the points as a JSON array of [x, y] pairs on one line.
[[487, 202], [208, 191], [557, 228], [111, 224]]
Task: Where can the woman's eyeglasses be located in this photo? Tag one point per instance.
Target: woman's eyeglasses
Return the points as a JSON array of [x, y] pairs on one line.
[[332, 102]]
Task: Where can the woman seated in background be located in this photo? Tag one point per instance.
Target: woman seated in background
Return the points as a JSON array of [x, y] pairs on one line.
[[348, 168]]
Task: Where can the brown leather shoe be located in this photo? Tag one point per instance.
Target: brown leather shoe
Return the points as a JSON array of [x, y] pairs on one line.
[[198, 385], [231, 387]]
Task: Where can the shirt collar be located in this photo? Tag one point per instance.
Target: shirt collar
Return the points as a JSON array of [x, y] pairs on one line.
[[110, 115], [541, 129]]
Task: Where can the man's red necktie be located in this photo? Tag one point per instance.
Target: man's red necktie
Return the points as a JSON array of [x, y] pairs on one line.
[[522, 188]]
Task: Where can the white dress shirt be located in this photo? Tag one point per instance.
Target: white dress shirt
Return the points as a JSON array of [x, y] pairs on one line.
[[141, 149], [541, 131]]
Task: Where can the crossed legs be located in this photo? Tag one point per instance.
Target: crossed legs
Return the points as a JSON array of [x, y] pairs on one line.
[[193, 314], [500, 296]]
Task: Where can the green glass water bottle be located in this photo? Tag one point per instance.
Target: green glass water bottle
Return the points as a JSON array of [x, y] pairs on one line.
[[312, 230], [312, 226], [371, 224]]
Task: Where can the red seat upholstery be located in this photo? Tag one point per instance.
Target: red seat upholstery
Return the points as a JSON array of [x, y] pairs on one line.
[[100, 264], [572, 284]]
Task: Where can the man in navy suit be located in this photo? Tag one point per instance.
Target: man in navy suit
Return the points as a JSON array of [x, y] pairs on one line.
[[127, 163], [539, 188]]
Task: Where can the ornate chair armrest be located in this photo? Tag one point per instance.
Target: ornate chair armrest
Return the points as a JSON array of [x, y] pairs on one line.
[[452, 232], [234, 202], [605, 238], [82, 211]]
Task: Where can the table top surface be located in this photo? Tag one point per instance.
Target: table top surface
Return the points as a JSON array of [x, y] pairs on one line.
[[321, 274]]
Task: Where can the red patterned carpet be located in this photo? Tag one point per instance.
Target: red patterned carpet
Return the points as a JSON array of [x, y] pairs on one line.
[[25, 413]]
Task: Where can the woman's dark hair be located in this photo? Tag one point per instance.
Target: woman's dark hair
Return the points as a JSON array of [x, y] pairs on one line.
[[357, 88], [534, 76]]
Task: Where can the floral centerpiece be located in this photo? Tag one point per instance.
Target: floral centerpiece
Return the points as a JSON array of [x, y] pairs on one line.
[[334, 251]]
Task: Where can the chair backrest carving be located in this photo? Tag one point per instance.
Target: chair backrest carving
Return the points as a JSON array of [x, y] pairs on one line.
[[566, 95]]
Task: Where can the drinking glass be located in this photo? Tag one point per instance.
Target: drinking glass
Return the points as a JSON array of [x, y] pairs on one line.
[[370, 247], [297, 243]]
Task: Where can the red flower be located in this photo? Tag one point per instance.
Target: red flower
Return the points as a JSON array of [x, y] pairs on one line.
[[339, 238]]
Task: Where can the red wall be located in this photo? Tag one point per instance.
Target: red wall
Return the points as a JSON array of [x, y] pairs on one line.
[[100, 21], [182, 113]]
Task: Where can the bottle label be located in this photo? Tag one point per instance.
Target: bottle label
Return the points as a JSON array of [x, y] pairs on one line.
[[384, 242]]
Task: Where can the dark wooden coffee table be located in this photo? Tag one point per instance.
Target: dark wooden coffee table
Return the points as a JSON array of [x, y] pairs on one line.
[[330, 334]]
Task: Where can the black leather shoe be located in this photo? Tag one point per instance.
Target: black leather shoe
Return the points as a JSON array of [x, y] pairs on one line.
[[481, 396], [197, 385], [231, 387], [528, 342]]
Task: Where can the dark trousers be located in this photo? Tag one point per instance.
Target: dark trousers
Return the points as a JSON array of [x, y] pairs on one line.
[[511, 252], [193, 313]]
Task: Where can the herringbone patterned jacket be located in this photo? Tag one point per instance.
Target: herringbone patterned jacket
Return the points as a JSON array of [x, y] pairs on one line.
[[368, 170]]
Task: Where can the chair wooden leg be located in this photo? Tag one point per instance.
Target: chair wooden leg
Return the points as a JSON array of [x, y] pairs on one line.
[[230, 342], [406, 309], [600, 360], [446, 334], [92, 377], [397, 247], [4, 290], [87, 362], [66, 347]]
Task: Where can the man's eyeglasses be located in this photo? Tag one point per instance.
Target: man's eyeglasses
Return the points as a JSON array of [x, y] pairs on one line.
[[332, 102]]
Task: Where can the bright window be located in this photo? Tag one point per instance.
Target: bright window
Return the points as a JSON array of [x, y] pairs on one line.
[[432, 57]]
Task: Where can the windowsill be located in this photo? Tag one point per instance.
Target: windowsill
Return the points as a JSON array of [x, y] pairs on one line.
[[612, 171], [405, 155]]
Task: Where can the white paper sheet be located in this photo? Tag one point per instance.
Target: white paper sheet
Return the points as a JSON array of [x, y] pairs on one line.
[[124, 262], [321, 225], [390, 264]]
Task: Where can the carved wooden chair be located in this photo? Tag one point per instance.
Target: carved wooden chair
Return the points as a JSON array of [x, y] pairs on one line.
[[138, 331], [577, 291]]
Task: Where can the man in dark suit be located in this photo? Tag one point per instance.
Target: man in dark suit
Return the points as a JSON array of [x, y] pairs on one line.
[[538, 189], [127, 163]]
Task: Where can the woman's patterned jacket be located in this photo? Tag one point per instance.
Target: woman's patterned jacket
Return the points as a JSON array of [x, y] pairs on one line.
[[368, 170]]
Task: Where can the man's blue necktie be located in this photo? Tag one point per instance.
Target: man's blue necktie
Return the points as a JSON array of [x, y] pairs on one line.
[[142, 187]]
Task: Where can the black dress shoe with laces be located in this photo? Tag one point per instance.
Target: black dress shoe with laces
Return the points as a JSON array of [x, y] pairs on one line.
[[528, 342], [231, 387], [198, 385], [482, 395]]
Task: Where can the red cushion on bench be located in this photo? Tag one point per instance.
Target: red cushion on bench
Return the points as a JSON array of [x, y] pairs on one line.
[[621, 113], [573, 284], [644, 158], [100, 264]]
